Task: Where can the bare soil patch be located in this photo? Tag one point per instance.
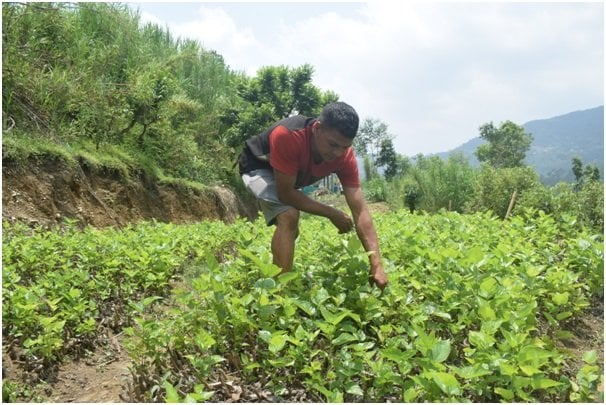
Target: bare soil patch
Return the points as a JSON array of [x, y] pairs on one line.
[[99, 376], [45, 192]]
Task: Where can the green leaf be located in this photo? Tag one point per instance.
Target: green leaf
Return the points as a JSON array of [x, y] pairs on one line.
[[410, 395], [533, 355], [214, 359], [481, 339], [474, 256], [267, 269], [202, 395], [544, 383], [287, 277], [305, 306], [447, 383], [172, 396], [266, 283], [204, 340], [471, 372], [335, 396], [590, 357], [486, 312], [190, 399], [320, 296], [353, 388], [507, 369], [265, 311], [506, 394], [440, 351], [488, 287], [397, 355], [75, 293], [335, 319], [343, 338], [560, 298], [265, 335], [424, 342], [277, 341], [529, 370], [534, 271]]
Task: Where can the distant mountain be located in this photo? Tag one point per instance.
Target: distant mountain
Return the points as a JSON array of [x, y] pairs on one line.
[[555, 142]]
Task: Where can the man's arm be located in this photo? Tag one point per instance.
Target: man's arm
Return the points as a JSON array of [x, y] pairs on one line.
[[288, 194], [366, 232]]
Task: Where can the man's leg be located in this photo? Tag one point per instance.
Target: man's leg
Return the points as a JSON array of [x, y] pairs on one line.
[[283, 241]]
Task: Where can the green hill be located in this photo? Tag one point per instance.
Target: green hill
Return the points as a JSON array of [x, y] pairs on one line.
[[556, 141]]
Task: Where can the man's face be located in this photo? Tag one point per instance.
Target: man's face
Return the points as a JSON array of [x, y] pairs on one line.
[[330, 143]]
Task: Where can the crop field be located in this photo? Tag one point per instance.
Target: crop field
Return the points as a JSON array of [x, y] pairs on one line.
[[477, 309]]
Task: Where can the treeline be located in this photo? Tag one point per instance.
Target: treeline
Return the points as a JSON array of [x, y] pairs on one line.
[[503, 184], [89, 80]]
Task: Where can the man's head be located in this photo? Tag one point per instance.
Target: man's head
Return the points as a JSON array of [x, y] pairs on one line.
[[342, 117], [334, 131]]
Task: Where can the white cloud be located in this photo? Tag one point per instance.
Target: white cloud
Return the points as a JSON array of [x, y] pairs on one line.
[[146, 17], [215, 29], [434, 72]]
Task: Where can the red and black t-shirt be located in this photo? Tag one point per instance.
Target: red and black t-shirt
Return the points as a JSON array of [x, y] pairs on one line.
[[286, 146]]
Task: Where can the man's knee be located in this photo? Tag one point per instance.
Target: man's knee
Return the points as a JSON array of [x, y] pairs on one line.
[[289, 221]]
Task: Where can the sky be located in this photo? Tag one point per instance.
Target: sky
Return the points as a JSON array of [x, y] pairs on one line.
[[434, 72]]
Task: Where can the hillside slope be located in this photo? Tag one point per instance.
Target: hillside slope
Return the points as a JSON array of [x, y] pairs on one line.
[[556, 141], [45, 192]]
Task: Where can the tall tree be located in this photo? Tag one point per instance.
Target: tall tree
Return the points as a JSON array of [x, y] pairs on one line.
[[506, 145], [276, 92], [371, 134], [388, 158], [585, 174]]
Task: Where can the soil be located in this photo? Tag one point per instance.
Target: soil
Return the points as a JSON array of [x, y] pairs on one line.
[[45, 192], [99, 376]]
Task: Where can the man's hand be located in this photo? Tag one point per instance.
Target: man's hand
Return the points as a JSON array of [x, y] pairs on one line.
[[378, 276], [342, 221]]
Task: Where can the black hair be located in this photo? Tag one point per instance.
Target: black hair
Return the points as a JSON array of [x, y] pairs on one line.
[[342, 117]]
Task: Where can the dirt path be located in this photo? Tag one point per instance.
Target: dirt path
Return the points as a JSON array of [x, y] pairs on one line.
[[100, 376], [96, 379]]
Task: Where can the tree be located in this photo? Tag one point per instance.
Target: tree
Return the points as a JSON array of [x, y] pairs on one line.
[[388, 158], [506, 147], [577, 169], [584, 175], [367, 143], [371, 134], [276, 92], [370, 170]]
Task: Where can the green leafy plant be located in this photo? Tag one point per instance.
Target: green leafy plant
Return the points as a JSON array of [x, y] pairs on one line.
[[471, 313]]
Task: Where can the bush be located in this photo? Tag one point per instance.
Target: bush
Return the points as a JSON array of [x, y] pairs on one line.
[[375, 190], [494, 187], [563, 201]]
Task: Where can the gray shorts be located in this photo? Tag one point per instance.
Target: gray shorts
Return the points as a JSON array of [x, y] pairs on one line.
[[262, 184]]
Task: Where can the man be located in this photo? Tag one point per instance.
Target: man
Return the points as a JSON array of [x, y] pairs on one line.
[[296, 152]]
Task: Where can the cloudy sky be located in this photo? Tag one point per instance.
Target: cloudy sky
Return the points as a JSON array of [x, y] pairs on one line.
[[432, 71]]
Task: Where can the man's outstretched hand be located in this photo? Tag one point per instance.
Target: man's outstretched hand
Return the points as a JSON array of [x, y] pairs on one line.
[[378, 276], [342, 221]]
